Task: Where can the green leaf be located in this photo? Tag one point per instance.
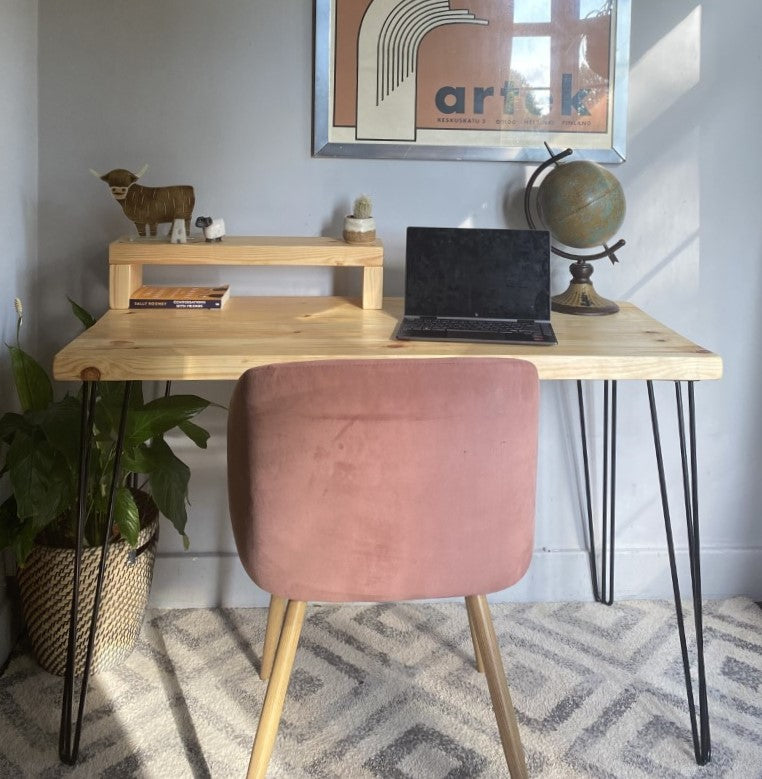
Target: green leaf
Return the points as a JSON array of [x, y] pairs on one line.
[[40, 477], [126, 515], [61, 424], [136, 395], [169, 479], [87, 319], [161, 415], [9, 522], [15, 533], [137, 460], [24, 542], [32, 382], [111, 392], [108, 409], [197, 434], [105, 423], [9, 424]]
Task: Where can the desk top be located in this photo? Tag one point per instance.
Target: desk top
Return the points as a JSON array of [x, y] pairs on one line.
[[249, 331]]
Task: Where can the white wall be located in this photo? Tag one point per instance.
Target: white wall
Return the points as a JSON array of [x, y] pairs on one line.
[[18, 201], [220, 96]]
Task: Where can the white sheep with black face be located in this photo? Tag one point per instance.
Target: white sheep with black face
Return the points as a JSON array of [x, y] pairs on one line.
[[213, 229]]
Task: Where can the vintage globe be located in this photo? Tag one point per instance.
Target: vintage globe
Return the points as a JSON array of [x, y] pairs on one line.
[[581, 203]]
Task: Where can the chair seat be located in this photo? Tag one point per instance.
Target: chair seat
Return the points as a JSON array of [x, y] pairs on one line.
[[384, 480]]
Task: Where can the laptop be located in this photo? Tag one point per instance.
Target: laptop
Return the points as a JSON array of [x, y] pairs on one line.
[[466, 284]]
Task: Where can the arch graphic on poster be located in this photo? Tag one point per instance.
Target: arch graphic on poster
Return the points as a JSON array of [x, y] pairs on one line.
[[387, 55]]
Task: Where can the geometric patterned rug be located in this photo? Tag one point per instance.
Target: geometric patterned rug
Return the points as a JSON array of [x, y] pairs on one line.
[[391, 691]]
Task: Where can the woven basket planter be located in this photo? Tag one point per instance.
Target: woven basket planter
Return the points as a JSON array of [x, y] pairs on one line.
[[45, 584]]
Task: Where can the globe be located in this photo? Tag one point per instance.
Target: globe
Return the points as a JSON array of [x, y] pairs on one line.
[[581, 204]]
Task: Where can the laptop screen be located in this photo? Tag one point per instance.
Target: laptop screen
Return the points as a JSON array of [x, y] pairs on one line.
[[470, 272]]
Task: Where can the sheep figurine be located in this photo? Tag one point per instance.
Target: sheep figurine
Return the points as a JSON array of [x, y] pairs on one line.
[[213, 229]]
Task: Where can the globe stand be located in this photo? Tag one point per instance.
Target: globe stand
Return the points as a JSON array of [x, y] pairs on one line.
[[580, 296]]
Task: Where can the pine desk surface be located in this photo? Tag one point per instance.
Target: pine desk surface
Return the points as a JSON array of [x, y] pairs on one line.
[[248, 331]]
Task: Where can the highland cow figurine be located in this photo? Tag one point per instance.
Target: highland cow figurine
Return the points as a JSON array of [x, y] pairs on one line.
[[149, 206]]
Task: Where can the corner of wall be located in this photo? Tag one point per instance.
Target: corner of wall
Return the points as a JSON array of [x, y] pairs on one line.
[[19, 194]]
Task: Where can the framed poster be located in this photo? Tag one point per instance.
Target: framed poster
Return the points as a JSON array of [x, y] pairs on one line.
[[471, 79]]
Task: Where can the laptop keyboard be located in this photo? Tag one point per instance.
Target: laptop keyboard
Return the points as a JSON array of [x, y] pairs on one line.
[[481, 329]]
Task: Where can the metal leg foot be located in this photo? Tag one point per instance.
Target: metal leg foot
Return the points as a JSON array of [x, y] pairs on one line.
[[702, 747], [605, 592]]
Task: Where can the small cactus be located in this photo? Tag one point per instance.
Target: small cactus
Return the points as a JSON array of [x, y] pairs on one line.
[[363, 207]]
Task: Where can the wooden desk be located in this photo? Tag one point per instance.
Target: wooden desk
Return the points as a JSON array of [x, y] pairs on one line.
[[172, 344], [221, 345]]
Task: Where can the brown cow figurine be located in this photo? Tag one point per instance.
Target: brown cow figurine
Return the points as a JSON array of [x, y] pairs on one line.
[[149, 206]]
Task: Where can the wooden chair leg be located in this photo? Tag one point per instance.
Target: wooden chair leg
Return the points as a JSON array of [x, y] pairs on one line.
[[273, 630], [477, 653], [498, 686], [269, 719]]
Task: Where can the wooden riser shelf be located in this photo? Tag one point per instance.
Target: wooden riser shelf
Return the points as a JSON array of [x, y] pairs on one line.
[[127, 256]]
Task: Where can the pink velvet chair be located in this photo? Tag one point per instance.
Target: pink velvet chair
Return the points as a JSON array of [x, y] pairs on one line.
[[383, 480]]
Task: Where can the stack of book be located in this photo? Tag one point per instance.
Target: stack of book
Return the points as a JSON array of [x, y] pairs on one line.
[[180, 297]]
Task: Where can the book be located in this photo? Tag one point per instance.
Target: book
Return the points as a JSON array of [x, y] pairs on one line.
[[150, 296]]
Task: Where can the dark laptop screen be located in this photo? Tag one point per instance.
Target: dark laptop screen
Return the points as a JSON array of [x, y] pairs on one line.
[[469, 272]]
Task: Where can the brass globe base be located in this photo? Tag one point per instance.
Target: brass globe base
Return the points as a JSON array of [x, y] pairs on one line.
[[581, 297]]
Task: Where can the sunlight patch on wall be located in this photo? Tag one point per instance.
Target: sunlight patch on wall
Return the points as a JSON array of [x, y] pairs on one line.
[[669, 69], [472, 221], [663, 232]]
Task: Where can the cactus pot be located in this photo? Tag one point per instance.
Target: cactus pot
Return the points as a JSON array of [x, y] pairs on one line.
[[359, 230]]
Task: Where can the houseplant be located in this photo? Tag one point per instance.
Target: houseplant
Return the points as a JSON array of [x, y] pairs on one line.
[[360, 226], [39, 470]]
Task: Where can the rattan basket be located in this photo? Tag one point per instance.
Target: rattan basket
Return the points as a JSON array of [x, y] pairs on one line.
[[46, 582]]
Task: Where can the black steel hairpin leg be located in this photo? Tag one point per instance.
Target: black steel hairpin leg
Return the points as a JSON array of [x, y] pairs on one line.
[[702, 747], [68, 750], [605, 593]]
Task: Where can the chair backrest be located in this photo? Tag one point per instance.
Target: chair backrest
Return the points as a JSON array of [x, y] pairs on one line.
[[375, 480]]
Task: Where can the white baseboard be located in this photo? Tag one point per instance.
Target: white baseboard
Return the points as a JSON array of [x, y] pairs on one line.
[[202, 581]]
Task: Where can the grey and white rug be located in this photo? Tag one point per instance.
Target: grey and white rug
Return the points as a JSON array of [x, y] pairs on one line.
[[391, 691]]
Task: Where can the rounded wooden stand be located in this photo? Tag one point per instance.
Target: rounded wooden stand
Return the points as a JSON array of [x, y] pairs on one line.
[[581, 297]]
